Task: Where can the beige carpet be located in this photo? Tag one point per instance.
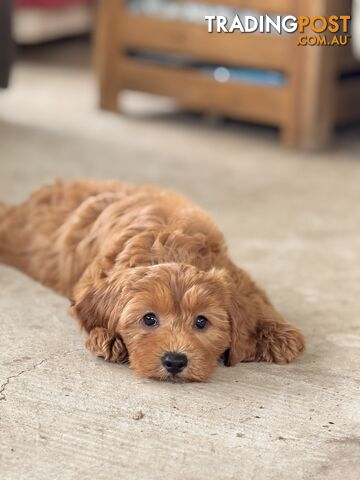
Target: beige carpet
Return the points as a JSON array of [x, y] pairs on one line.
[[291, 219]]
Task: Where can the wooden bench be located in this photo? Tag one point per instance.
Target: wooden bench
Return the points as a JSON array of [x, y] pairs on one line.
[[309, 105]]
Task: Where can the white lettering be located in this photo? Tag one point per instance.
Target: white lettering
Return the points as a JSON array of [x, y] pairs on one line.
[[210, 20], [249, 19], [236, 25], [251, 24], [273, 23], [289, 24], [221, 23]]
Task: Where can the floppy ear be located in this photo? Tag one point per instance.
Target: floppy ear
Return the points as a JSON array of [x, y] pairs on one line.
[[89, 305], [258, 331], [96, 305], [102, 293], [97, 297]]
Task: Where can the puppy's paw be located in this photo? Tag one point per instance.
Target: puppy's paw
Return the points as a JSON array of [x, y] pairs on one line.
[[104, 344], [278, 342]]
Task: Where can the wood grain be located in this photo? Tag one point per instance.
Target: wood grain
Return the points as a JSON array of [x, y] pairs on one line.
[[306, 110], [107, 52], [198, 92], [238, 49], [348, 102], [266, 6]]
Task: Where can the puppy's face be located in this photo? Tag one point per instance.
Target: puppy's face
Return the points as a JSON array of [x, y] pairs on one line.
[[174, 321]]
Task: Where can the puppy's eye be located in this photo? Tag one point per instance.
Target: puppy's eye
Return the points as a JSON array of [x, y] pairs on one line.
[[201, 322], [150, 320]]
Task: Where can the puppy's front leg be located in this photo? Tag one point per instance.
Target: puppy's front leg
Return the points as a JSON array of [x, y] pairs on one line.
[[104, 344]]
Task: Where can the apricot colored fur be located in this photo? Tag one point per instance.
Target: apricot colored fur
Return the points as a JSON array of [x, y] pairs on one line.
[[119, 252]]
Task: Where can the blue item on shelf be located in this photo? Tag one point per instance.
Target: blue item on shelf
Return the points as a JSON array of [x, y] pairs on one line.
[[245, 75]]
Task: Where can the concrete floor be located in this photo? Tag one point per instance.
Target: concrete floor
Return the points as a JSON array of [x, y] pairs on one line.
[[292, 220]]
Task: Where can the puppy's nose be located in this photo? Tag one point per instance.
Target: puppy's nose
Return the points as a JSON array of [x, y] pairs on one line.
[[174, 362]]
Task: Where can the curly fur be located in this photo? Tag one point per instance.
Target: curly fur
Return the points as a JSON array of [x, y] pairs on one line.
[[120, 251]]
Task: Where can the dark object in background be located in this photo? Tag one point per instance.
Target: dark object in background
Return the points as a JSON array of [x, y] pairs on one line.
[[6, 42]]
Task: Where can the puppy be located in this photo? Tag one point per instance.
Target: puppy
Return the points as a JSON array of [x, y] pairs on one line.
[[148, 276]]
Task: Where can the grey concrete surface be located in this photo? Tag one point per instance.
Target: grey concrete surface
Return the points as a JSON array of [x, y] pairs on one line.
[[292, 220]]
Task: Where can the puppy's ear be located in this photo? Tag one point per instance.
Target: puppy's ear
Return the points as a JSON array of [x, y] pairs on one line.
[[95, 298], [102, 293], [242, 338], [89, 311], [258, 332]]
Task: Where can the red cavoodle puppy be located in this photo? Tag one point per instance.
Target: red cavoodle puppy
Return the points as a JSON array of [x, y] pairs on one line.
[[148, 276]]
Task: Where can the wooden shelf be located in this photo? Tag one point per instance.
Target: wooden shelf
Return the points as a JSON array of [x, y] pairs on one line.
[[348, 102], [237, 49], [262, 6], [195, 91], [306, 107]]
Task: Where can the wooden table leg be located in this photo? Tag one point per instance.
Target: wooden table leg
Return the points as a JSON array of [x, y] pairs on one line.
[[107, 52], [316, 72]]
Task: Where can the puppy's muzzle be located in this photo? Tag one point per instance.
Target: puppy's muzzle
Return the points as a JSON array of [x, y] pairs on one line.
[[174, 362]]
